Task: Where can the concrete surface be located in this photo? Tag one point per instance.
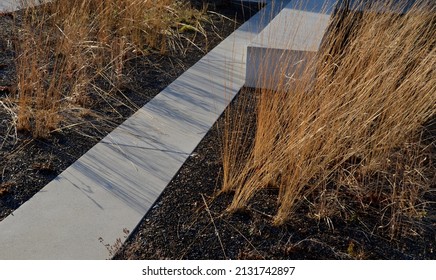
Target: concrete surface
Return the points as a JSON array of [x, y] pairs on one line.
[[9, 5], [13, 5]]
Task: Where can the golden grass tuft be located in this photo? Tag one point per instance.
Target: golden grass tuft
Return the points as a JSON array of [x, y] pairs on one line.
[[350, 126], [64, 46]]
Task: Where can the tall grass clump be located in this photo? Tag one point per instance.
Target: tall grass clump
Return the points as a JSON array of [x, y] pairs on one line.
[[346, 137], [63, 47]]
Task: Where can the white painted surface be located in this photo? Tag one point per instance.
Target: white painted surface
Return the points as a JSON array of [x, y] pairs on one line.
[[113, 185]]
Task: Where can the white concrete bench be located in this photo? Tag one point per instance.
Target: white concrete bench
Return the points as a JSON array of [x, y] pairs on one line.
[[281, 49]]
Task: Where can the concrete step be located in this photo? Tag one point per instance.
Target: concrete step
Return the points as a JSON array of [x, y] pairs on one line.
[[281, 49], [113, 186]]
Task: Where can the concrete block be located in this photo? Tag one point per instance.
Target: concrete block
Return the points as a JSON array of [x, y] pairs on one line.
[[283, 48]]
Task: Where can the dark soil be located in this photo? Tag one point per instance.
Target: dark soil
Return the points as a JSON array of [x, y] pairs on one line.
[[189, 220], [28, 164]]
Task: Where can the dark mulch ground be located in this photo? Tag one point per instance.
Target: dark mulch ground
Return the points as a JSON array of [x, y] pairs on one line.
[[28, 164]]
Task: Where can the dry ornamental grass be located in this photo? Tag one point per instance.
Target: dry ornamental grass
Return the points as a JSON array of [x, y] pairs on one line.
[[63, 47], [347, 136]]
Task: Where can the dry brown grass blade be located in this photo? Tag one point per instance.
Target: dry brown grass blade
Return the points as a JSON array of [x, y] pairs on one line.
[[214, 226]]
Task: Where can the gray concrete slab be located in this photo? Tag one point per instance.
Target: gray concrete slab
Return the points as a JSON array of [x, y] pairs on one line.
[[397, 6], [282, 48], [13, 5], [9, 5], [113, 186]]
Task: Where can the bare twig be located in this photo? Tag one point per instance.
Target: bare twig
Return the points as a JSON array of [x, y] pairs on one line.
[[213, 222]]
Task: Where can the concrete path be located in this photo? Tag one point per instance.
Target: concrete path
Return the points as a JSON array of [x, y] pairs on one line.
[[113, 186], [13, 5], [9, 5]]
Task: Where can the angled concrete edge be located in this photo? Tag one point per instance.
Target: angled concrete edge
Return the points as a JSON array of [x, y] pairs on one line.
[[113, 185]]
